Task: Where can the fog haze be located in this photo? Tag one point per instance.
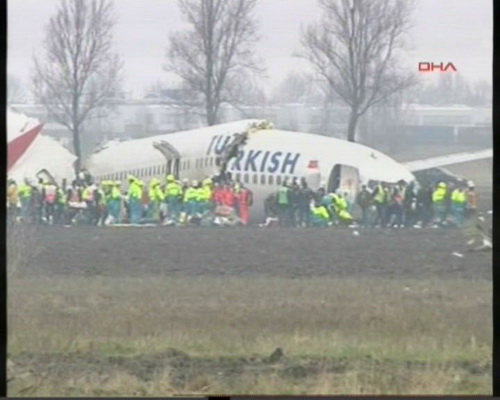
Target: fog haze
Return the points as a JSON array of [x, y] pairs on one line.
[[458, 31]]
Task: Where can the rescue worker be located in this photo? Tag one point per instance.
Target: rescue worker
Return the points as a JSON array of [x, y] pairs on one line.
[[50, 200], [363, 200], [228, 196], [156, 198], [144, 199], [439, 203], [270, 207], [205, 196], [12, 200], [331, 202], [342, 210], [293, 209], [283, 200], [409, 205], [304, 197], [319, 215], [61, 203], [458, 205], [424, 210], [115, 202], [218, 195], [173, 197], [37, 205], [191, 199], [395, 209], [380, 199], [245, 201], [25, 191], [349, 202], [134, 200], [73, 199], [471, 199]]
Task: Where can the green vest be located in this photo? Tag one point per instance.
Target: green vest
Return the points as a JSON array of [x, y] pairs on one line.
[[380, 197], [24, 190], [458, 197], [283, 195], [173, 189], [191, 194], [115, 193], [439, 195], [155, 194], [320, 213], [61, 196], [135, 191]]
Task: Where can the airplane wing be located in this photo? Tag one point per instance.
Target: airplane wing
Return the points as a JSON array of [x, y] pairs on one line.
[[441, 161]]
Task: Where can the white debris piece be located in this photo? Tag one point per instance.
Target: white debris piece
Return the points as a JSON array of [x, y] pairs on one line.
[[459, 255], [490, 212], [355, 233]]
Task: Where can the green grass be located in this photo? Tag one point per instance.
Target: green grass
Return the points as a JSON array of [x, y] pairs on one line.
[[435, 323]]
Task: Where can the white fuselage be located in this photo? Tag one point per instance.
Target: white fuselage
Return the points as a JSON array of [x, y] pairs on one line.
[[268, 157]]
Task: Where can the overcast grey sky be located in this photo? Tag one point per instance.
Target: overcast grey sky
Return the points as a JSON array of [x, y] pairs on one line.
[[459, 31]]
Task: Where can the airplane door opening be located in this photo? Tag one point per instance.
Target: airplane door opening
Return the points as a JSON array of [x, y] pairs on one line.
[[172, 157], [345, 178], [334, 179]]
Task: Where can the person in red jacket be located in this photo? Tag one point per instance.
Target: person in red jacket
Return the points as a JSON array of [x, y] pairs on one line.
[[245, 201], [228, 196], [218, 196]]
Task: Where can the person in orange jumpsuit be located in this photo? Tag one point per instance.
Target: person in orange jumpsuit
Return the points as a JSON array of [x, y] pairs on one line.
[[218, 197], [245, 201], [228, 196]]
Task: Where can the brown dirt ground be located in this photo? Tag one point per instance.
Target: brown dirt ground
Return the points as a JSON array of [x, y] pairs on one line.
[[292, 253]]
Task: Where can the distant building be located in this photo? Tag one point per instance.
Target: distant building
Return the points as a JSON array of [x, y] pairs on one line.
[[169, 111]]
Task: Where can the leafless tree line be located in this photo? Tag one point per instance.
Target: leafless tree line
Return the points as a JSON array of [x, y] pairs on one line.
[[353, 51], [78, 72]]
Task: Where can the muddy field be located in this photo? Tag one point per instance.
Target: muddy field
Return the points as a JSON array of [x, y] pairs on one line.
[[252, 252], [150, 311]]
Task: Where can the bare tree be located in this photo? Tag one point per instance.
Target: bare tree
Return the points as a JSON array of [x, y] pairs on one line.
[[15, 90], [354, 49], [78, 73], [215, 54], [298, 88]]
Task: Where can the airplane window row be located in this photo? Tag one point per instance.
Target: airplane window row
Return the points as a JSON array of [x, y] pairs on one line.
[[262, 179], [144, 172], [205, 162]]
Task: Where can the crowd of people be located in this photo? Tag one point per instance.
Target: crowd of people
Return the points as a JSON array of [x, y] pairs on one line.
[[88, 202], [380, 205], [223, 201]]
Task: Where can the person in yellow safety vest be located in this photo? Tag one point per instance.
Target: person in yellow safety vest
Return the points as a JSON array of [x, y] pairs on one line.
[[25, 191], [12, 199], [458, 205], [342, 210], [319, 215], [205, 196], [191, 199], [439, 202], [381, 200], [156, 198], [115, 201], [134, 199], [173, 197], [332, 207]]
